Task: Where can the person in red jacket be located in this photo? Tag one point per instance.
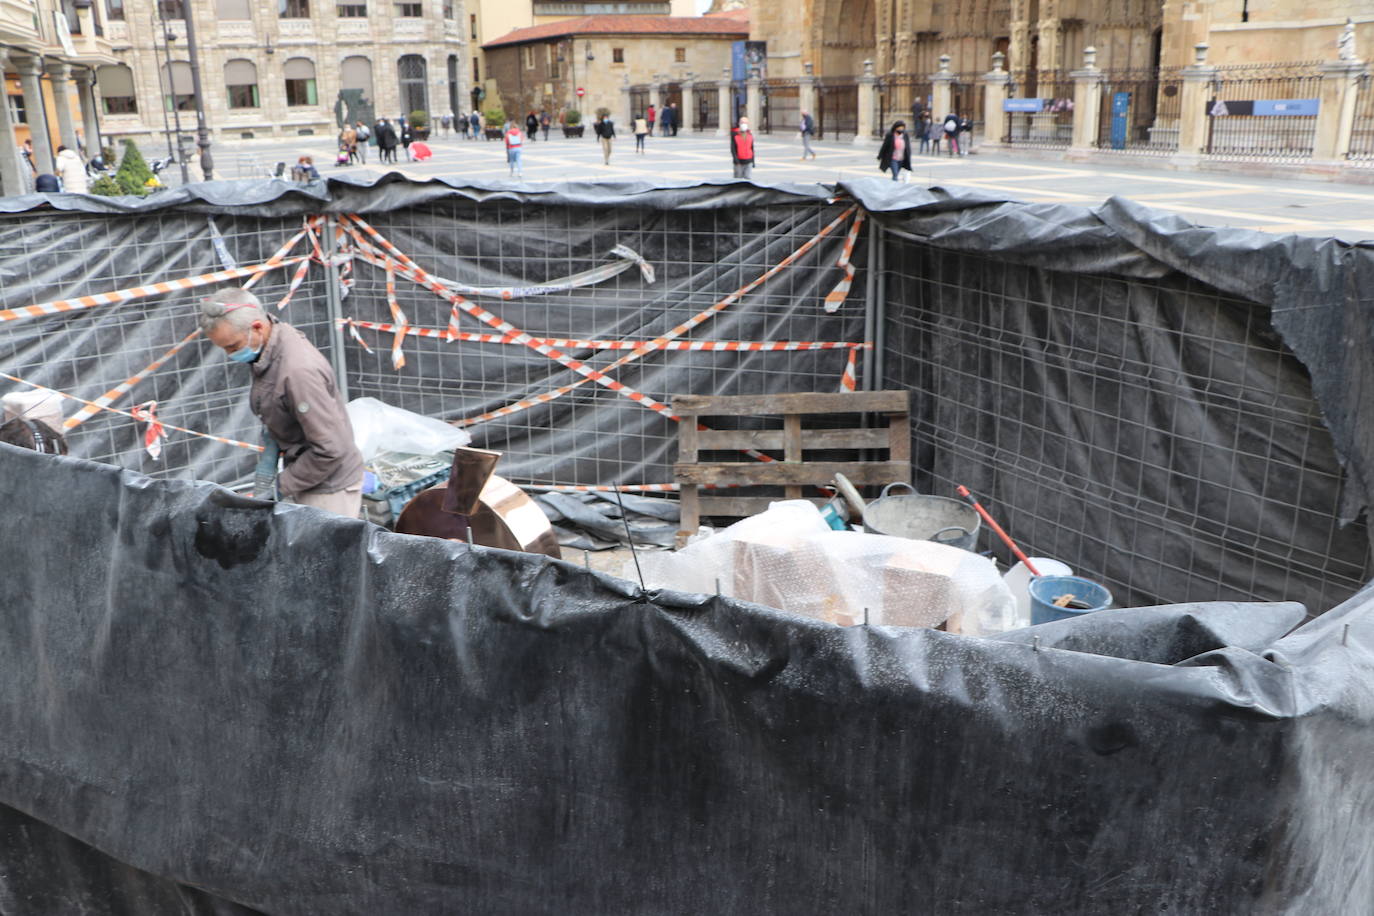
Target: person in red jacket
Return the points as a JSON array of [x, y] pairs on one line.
[[515, 143], [742, 148]]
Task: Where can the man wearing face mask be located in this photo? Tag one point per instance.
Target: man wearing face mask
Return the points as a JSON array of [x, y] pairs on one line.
[[295, 396], [742, 148]]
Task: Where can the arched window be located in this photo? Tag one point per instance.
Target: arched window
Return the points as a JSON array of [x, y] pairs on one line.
[[233, 9], [356, 73], [241, 83], [414, 94], [177, 88], [300, 82], [116, 83]]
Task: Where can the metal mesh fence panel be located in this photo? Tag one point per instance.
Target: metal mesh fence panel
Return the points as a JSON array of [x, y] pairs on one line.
[[1156, 435], [592, 434], [88, 352]]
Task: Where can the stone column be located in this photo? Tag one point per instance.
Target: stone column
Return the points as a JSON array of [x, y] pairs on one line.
[[59, 75], [13, 171], [753, 102], [85, 93], [1336, 116], [940, 90], [806, 89], [1192, 119], [29, 71], [998, 86], [688, 111], [625, 104], [1087, 102], [723, 90], [868, 101]]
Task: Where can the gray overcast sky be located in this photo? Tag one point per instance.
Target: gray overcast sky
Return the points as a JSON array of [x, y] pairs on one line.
[[703, 6]]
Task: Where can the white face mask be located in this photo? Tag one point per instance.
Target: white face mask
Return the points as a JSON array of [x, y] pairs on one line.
[[743, 125]]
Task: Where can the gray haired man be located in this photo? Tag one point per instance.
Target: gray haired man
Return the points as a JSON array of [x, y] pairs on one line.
[[295, 397]]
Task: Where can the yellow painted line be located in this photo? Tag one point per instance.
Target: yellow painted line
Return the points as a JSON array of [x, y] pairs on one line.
[[1213, 192]]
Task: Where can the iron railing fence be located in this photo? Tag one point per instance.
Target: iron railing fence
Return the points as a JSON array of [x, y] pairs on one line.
[[837, 104], [1263, 112], [708, 106], [1140, 111], [1361, 153], [780, 105], [1047, 121]]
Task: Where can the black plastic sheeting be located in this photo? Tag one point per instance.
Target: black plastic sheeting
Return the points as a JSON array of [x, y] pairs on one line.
[[212, 704]]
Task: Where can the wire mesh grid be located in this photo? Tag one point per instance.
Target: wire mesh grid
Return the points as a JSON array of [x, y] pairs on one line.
[[87, 353], [592, 435], [1155, 435]]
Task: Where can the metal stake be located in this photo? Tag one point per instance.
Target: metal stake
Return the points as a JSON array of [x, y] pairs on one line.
[[1345, 634], [1035, 643]]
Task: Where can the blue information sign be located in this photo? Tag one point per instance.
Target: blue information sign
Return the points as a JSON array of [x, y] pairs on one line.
[[1023, 104], [1121, 107], [1287, 107]]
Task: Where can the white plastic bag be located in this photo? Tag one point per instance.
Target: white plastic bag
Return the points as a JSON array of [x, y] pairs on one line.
[[379, 427]]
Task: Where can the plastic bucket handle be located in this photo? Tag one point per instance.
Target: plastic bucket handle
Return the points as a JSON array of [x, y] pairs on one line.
[[963, 533]]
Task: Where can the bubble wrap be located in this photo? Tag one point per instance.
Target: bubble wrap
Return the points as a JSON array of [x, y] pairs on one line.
[[788, 558]]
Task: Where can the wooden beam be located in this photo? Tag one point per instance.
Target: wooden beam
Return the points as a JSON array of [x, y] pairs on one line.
[[698, 405], [781, 473]]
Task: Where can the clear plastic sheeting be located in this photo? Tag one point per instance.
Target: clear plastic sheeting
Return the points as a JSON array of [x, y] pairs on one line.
[[788, 558], [379, 428]]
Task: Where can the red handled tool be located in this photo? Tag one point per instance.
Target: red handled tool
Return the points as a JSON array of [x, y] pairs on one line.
[[997, 529]]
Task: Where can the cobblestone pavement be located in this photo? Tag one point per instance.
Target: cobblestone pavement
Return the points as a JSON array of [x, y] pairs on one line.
[[1277, 205]]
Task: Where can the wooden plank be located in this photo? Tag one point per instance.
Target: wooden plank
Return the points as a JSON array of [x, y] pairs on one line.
[[689, 508], [742, 506], [899, 438], [780, 473], [687, 439], [792, 447], [701, 405], [772, 439]]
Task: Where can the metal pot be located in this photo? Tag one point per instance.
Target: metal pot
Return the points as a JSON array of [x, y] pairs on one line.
[[922, 518]]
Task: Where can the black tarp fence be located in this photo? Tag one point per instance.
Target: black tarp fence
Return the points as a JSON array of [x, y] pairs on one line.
[[212, 704]]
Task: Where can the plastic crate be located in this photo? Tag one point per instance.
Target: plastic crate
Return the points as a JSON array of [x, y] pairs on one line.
[[397, 497]]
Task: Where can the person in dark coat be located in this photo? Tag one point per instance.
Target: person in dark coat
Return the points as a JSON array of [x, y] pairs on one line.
[[386, 140], [407, 138], [532, 126], [895, 153]]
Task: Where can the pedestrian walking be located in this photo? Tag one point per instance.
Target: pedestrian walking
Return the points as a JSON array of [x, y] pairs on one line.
[[807, 129], [922, 130], [677, 117], [446, 122], [895, 153], [605, 129], [364, 135], [965, 128], [950, 127], [934, 134], [475, 121], [460, 124], [532, 126], [407, 138], [665, 120], [545, 122], [651, 116], [742, 148], [348, 144], [515, 143], [386, 140], [641, 131], [72, 171]]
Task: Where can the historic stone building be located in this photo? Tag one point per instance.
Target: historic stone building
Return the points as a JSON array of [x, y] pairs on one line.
[[281, 67]]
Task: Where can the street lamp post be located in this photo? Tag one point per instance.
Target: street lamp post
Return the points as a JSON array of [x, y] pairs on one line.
[[167, 38], [207, 163]]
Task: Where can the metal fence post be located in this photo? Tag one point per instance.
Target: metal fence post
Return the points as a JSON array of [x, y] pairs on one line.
[[338, 356]]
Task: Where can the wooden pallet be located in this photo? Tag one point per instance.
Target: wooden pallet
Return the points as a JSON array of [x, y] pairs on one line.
[[793, 440]]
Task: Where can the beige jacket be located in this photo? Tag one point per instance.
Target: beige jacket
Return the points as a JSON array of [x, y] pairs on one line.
[[72, 172], [295, 397]]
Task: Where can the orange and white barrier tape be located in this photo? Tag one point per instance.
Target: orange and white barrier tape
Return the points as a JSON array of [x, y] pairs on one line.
[[154, 434], [118, 391], [398, 359], [836, 297], [130, 415], [849, 379]]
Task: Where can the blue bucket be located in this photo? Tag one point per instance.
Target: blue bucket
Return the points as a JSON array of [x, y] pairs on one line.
[[1088, 596]]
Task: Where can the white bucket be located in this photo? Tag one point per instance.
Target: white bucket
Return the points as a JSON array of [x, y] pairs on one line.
[[1018, 580]]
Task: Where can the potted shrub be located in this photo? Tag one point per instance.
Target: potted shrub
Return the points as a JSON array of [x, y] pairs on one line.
[[133, 173], [419, 124], [572, 124], [496, 123]]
